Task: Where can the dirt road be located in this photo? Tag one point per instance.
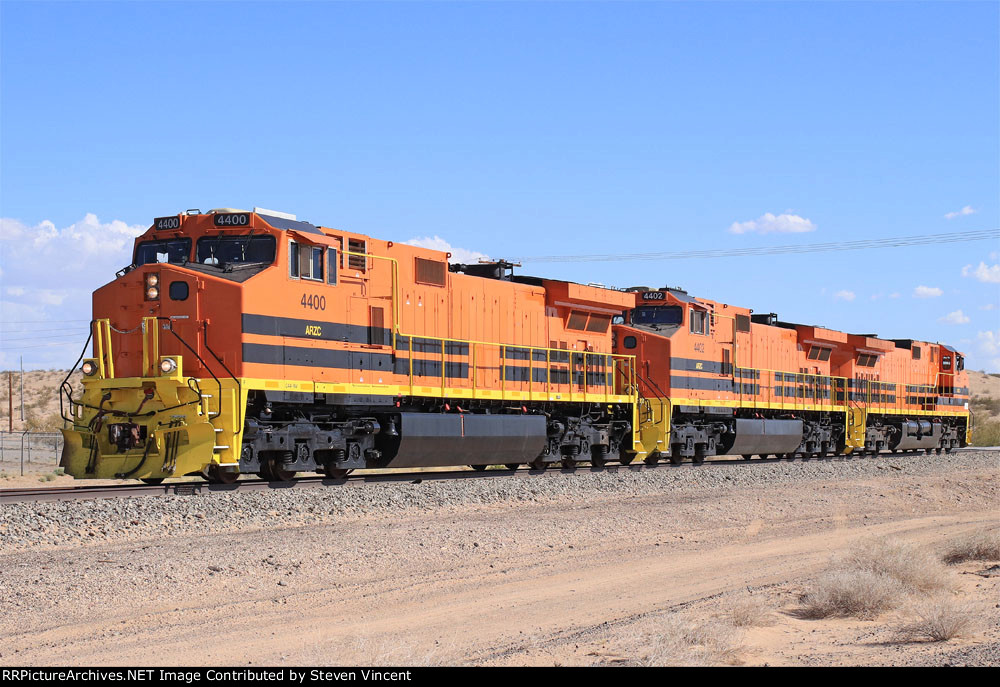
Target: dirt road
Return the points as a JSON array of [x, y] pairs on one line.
[[572, 582]]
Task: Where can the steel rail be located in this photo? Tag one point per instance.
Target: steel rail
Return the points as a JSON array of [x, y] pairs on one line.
[[36, 494]]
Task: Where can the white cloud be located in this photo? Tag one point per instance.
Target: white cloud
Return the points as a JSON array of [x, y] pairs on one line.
[[989, 345], [769, 223], [927, 292], [894, 294], [458, 255], [967, 210], [844, 295], [988, 306], [984, 273], [956, 317], [49, 274], [989, 342]]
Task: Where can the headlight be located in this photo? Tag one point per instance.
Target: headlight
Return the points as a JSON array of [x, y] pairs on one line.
[[89, 368], [153, 286], [168, 366]]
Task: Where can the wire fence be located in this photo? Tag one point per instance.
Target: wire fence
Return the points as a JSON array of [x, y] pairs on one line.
[[30, 450]]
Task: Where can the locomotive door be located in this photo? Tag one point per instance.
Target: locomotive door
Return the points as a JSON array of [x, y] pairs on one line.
[[742, 352], [360, 358]]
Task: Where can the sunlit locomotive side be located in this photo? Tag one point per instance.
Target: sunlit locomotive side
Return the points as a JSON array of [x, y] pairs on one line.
[[252, 342], [717, 379]]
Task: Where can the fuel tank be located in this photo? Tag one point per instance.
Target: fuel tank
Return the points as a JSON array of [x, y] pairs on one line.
[[916, 434], [437, 440], [762, 436]]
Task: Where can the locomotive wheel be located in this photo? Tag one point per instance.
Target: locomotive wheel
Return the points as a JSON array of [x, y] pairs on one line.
[[568, 463], [747, 456], [216, 475], [479, 468], [763, 456], [273, 471], [336, 473], [598, 455], [675, 455], [949, 449], [152, 481], [653, 458], [938, 450], [538, 464], [512, 466], [626, 458]]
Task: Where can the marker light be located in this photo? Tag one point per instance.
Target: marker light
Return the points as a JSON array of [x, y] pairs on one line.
[[89, 368], [168, 365]]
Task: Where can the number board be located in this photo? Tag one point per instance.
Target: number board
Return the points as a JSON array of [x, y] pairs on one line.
[[233, 219], [162, 223], [654, 296]]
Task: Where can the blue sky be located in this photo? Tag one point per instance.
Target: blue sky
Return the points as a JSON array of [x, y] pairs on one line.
[[519, 129]]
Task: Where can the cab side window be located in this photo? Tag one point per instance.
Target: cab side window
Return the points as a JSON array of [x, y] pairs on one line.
[[305, 262], [698, 320], [331, 265]]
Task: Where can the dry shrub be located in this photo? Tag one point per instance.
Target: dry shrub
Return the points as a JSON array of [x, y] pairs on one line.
[[858, 593], [915, 568], [875, 576], [750, 611], [986, 433], [983, 545], [368, 651], [940, 619], [679, 641]]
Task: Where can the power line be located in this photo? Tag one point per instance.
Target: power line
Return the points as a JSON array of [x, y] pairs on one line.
[[74, 335], [864, 244], [23, 348], [40, 321], [68, 330]]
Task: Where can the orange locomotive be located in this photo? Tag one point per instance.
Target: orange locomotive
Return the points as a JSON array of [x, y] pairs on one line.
[[717, 379], [252, 342]]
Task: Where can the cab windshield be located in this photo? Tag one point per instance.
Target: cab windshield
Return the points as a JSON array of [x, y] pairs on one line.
[[175, 250], [658, 314], [227, 250]]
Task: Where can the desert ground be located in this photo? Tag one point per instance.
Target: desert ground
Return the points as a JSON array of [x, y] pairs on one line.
[[737, 565], [686, 565]]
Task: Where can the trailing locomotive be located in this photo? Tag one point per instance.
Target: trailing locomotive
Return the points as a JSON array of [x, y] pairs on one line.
[[722, 380], [240, 342]]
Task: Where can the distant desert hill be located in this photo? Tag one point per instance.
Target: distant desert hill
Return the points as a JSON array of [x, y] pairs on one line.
[[41, 399]]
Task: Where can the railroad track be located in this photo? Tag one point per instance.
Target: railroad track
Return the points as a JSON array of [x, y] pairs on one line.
[[200, 488]]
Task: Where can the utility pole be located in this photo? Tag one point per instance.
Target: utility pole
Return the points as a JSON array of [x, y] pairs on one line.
[[22, 389], [10, 400]]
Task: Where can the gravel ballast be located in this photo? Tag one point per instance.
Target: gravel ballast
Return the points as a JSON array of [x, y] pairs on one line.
[[79, 523]]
